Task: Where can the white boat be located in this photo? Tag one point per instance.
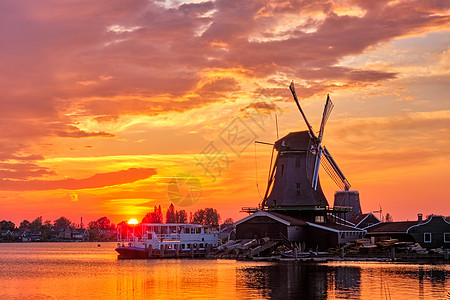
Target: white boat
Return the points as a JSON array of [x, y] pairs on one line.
[[157, 240]]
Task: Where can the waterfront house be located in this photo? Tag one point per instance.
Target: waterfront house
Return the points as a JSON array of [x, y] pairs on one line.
[[433, 232]]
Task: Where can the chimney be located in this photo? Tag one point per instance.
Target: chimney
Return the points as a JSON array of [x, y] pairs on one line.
[[419, 218]]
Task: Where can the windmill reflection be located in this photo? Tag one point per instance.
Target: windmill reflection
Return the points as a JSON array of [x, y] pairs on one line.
[[302, 281]]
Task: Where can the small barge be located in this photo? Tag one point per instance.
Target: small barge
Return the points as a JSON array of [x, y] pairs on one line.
[[156, 240]]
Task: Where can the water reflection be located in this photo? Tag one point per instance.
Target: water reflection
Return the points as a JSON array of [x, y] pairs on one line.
[[348, 281], [305, 281], [85, 271]]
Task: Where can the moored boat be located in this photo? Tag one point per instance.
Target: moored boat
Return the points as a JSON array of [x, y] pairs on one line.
[[156, 240]]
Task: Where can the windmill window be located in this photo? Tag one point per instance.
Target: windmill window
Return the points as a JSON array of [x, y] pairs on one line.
[[297, 161], [447, 237], [298, 188], [320, 219], [427, 237]]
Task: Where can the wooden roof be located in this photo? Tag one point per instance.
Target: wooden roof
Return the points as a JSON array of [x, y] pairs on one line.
[[391, 227]]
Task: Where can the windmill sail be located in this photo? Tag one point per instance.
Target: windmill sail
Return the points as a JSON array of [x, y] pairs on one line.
[[311, 131], [326, 114], [334, 172]]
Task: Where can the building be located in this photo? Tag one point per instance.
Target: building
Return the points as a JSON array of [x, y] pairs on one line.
[[363, 221], [309, 235], [433, 232], [294, 209]]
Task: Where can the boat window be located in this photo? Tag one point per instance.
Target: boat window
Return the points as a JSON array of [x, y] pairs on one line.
[[164, 230], [201, 245], [199, 230], [214, 230], [172, 229], [187, 230], [427, 237], [192, 230], [149, 235]]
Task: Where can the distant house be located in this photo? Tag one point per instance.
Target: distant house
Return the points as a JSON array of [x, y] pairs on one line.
[[7, 235], [431, 233], [363, 221], [22, 234], [35, 235], [320, 235], [80, 235], [6, 232], [67, 233]]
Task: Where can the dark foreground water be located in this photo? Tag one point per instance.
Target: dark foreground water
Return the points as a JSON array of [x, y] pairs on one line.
[[86, 271]]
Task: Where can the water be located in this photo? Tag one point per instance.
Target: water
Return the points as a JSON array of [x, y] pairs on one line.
[[85, 271]]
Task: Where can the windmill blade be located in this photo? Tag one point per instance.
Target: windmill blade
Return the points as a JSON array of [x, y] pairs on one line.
[[315, 178], [326, 114], [333, 170], [311, 131]]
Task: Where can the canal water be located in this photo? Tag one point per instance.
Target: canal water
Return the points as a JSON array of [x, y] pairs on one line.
[[89, 271]]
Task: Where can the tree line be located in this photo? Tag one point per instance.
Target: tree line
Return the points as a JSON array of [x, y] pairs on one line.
[[63, 222], [207, 216], [61, 229]]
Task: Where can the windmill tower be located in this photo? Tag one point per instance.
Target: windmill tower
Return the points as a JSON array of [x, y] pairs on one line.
[[294, 187]]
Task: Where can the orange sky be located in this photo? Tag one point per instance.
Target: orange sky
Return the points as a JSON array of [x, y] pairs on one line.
[[102, 103]]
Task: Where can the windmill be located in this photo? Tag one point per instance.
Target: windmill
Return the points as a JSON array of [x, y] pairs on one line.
[[330, 165], [293, 182]]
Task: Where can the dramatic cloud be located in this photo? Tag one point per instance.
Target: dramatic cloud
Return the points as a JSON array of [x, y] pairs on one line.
[[112, 77], [95, 181]]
